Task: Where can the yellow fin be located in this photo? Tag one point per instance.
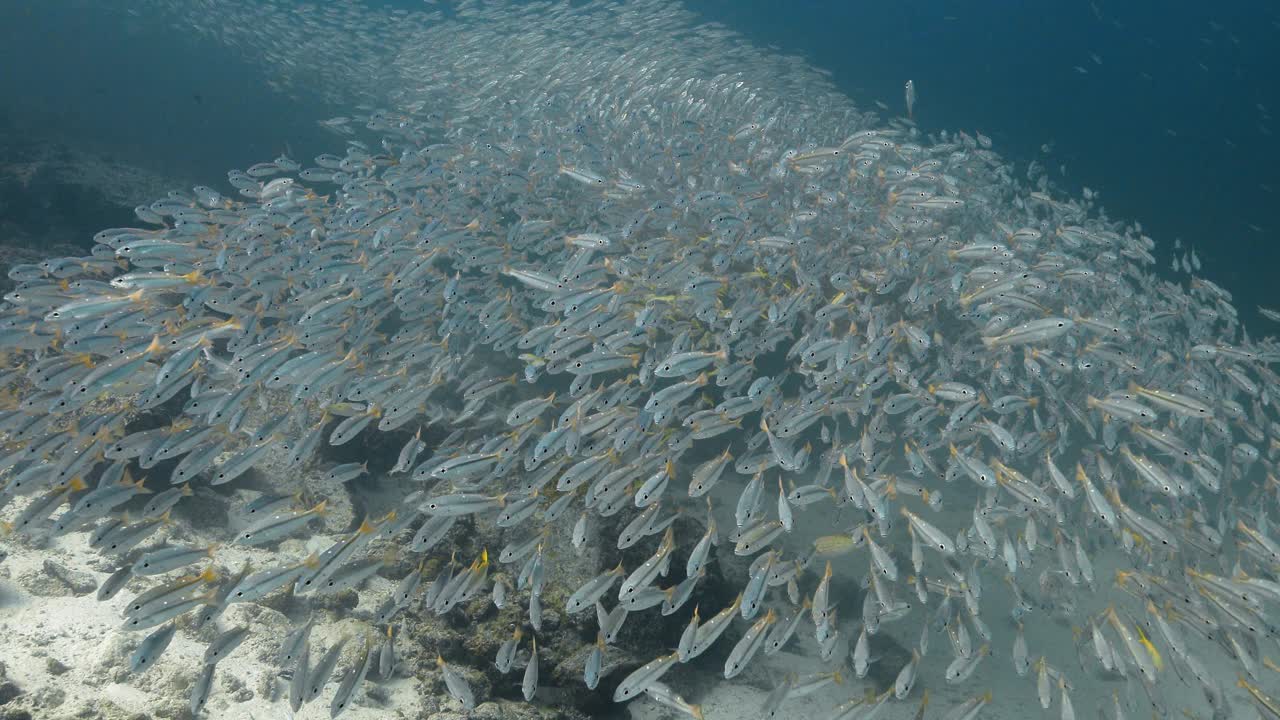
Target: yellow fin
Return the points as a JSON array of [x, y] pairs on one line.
[[1156, 659]]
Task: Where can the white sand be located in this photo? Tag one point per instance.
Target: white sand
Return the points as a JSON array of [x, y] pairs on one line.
[[68, 655], [43, 625]]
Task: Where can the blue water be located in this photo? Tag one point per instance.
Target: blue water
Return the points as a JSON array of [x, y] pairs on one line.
[[1174, 126], [142, 91]]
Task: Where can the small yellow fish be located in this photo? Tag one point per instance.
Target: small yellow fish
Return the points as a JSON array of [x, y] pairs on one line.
[[832, 545], [1261, 700], [1156, 659]]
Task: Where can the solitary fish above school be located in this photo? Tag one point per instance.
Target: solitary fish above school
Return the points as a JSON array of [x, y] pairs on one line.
[[596, 287]]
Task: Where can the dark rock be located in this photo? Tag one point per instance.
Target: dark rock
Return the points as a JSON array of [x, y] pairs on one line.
[[80, 583], [893, 657]]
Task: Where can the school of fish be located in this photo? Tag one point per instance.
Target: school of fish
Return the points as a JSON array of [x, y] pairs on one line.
[[591, 276]]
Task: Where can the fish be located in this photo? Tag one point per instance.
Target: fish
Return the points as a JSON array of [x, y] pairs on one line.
[[663, 694], [594, 663], [319, 675], [263, 583], [114, 583], [278, 525], [1031, 332], [906, 677], [200, 689], [969, 709], [820, 606], [351, 680], [644, 676], [862, 654], [1021, 661], [456, 684], [294, 642], [301, 674], [224, 644], [1265, 705], [162, 561], [152, 647], [567, 280], [935, 538], [1068, 711], [387, 659], [157, 613], [507, 651], [709, 631], [529, 685], [750, 643], [586, 596]]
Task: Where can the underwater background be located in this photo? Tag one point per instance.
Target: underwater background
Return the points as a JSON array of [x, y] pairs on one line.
[[1164, 110]]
